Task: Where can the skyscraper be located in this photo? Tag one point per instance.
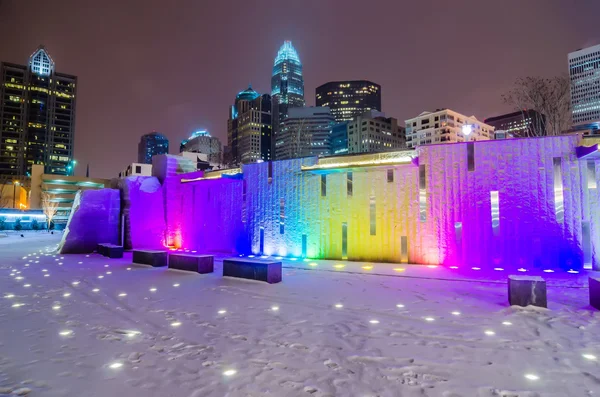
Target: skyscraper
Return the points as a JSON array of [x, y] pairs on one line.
[[287, 84], [202, 142], [249, 128], [349, 99], [150, 145], [305, 132], [584, 70], [37, 117]]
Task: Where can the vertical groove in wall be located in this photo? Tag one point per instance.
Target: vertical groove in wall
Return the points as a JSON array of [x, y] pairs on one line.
[[281, 215], [495, 212], [422, 193], [261, 245], [559, 209], [270, 171], [349, 184], [591, 174], [471, 156], [304, 246], [344, 240], [323, 185], [390, 175], [372, 216], [404, 249], [586, 242]]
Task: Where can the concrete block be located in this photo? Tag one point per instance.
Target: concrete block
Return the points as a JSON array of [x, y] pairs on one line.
[[94, 220], [194, 263], [150, 257], [527, 290], [594, 284], [253, 269], [110, 250]]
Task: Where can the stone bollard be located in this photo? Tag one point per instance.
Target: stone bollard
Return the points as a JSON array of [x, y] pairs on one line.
[[527, 290], [594, 284]]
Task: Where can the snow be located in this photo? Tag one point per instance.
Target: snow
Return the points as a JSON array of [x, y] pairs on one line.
[[357, 330]]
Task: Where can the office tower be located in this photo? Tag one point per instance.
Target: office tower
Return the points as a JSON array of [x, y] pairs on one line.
[[584, 71], [349, 99], [287, 84], [37, 117], [249, 128], [339, 138], [150, 145], [519, 124], [202, 142], [373, 132], [305, 132], [444, 125]]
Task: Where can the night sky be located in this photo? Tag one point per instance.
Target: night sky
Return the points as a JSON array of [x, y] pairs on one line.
[[176, 66]]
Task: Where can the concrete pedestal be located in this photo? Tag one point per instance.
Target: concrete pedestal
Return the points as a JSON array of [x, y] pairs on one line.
[[150, 257], [594, 283], [193, 263], [527, 290], [110, 250], [253, 269]]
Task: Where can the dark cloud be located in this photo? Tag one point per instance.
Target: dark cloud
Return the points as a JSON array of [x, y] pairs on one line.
[[175, 67]]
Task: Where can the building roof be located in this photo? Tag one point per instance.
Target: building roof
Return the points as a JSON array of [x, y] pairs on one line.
[[247, 95], [287, 52]]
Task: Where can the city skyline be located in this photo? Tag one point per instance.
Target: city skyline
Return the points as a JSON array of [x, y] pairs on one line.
[[128, 86]]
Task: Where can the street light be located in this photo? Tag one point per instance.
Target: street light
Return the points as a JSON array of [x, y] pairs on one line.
[[467, 129], [15, 183]]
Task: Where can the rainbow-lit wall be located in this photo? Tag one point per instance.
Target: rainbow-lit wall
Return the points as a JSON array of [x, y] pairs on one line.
[[507, 203]]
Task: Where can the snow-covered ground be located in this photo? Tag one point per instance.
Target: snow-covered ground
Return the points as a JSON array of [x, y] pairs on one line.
[[78, 325]]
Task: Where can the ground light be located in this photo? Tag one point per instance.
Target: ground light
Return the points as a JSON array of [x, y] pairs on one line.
[[374, 321], [532, 377], [115, 365], [400, 305], [339, 305], [175, 324], [222, 311], [589, 357], [229, 372]]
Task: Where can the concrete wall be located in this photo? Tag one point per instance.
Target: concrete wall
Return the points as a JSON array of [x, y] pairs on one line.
[[512, 203]]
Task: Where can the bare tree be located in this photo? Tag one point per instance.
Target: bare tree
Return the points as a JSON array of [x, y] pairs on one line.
[[49, 206], [549, 97]]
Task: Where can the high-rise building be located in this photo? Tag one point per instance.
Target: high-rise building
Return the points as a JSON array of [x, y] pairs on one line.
[[584, 70], [444, 126], [349, 99], [37, 117], [373, 132], [150, 145], [249, 128], [339, 138], [287, 84], [306, 132], [520, 124], [202, 142]]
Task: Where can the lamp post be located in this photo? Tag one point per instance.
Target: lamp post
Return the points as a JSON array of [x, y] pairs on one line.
[[15, 183], [467, 129]]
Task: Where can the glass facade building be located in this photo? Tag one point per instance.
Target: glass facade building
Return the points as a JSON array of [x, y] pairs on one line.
[[520, 124], [349, 99], [287, 84], [584, 71], [150, 145], [37, 117]]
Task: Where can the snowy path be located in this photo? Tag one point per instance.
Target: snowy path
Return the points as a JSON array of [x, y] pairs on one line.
[[389, 336]]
